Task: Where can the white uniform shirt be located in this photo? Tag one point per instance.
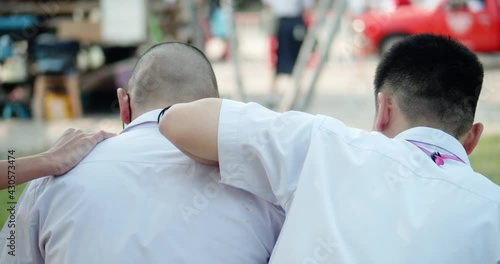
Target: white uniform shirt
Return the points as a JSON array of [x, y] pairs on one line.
[[357, 197], [289, 8], [136, 199]]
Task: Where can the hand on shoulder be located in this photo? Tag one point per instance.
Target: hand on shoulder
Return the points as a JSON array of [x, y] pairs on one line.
[[71, 148]]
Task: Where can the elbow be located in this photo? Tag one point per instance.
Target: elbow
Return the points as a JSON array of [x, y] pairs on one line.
[[171, 132]]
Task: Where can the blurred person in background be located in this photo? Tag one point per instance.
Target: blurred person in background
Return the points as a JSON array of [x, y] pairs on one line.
[[217, 47], [290, 33]]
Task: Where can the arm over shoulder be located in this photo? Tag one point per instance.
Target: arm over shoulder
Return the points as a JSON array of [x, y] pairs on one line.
[[262, 151], [258, 150]]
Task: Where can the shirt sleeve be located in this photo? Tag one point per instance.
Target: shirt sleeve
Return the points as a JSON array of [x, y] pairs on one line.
[[262, 151], [19, 237]]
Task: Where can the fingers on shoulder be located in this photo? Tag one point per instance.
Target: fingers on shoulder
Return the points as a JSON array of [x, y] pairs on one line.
[[68, 136], [97, 137], [73, 133], [78, 137]]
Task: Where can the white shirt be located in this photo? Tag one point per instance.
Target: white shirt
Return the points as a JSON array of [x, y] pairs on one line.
[[357, 197], [289, 8], [136, 199]]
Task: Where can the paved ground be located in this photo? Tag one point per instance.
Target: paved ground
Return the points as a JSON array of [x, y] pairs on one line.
[[344, 91]]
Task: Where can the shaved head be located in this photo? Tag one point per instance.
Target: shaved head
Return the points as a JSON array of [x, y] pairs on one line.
[[171, 73]]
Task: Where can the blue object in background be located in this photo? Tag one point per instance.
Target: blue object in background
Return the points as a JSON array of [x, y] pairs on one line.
[[17, 109], [55, 56], [17, 23], [5, 47], [218, 23]]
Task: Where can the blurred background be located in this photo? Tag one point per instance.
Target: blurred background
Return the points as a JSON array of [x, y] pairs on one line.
[[61, 61]]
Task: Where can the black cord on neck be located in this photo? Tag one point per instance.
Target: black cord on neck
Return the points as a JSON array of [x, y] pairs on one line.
[[162, 113]]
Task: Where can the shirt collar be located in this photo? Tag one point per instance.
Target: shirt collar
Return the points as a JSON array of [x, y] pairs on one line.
[[436, 137], [151, 116]]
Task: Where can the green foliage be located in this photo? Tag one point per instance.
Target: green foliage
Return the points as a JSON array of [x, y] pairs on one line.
[[4, 198], [486, 158]]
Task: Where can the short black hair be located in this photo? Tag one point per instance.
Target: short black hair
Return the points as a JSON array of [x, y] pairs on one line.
[[435, 80], [172, 72]]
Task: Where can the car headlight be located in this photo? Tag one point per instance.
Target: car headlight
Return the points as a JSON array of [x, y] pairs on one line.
[[358, 25]]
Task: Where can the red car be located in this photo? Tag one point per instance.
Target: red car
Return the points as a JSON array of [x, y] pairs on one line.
[[476, 23]]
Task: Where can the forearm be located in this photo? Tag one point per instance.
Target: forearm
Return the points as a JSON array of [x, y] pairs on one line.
[[193, 128], [20, 170]]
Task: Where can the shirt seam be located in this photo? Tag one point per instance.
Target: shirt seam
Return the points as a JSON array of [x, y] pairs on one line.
[[322, 127], [34, 198], [232, 109], [292, 194]]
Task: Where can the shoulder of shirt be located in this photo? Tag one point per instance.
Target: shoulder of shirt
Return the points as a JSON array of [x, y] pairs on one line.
[[477, 184], [127, 148], [107, 153], [33, 190], [484, 187], [336, 126]]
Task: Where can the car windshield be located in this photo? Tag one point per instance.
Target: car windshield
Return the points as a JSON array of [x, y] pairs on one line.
[[389, 4], [427, 4]]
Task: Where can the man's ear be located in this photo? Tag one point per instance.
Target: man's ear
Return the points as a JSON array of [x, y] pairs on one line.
[[383, 118], [471, 139], [124, 105]]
